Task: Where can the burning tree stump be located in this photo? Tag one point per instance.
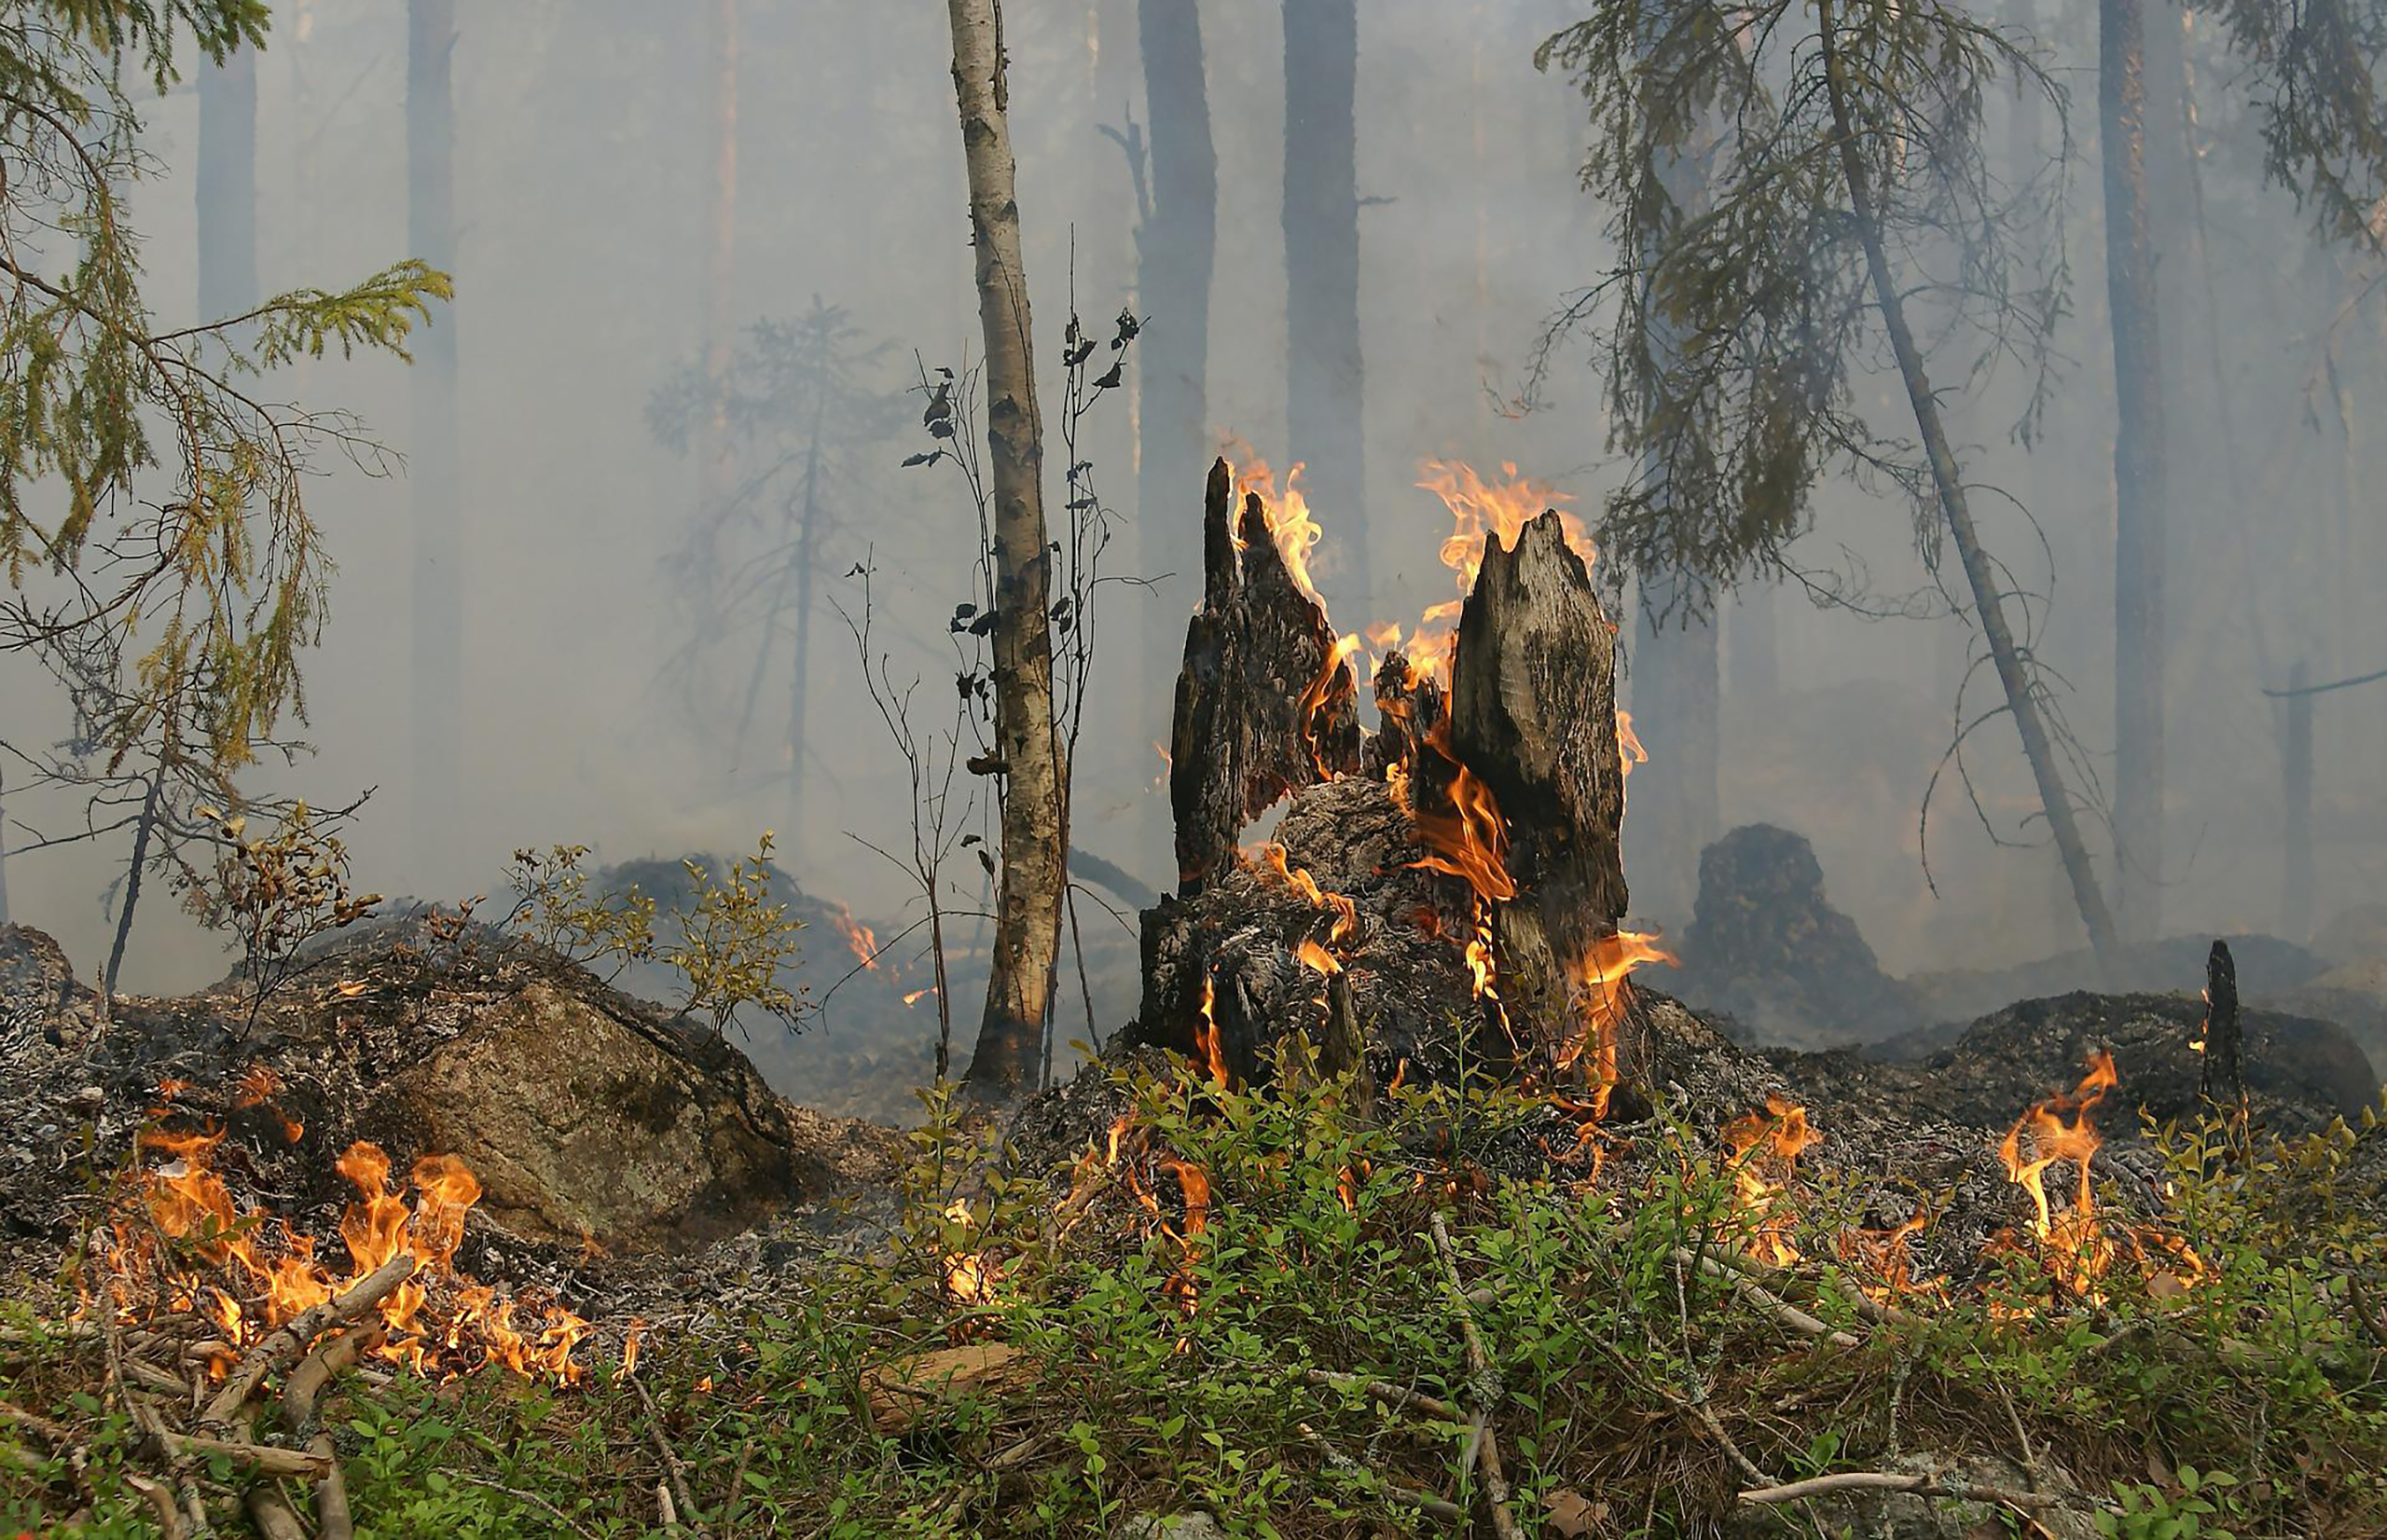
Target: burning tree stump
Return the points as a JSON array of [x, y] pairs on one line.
[[1451, 887], [1265, 703], [1533, 717]]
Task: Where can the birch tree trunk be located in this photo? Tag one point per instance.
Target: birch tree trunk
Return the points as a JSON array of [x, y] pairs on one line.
[[432, 473], [2138, 468], [1948, 482], [1028, 900], [1322, 421]]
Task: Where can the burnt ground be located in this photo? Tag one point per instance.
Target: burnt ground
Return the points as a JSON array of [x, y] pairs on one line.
[[635, 1165]]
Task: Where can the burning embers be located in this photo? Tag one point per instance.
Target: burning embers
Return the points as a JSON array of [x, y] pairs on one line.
[[182, 1243]]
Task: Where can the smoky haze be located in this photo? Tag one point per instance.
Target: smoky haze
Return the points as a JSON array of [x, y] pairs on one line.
[[585, 153]]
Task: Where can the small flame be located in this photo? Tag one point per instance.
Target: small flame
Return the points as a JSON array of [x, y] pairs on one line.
[[860, 939], [914, 997], [1629, 751], [1206, 1036], [1346, 913], [1289, 524], [1471, 841], [1478, 509], [2074, 1245], [1762, 1140], [970, 1275], [1318, 959]]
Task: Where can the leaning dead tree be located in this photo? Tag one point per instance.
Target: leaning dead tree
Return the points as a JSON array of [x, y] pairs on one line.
[[1442, 893], [1848, 213]]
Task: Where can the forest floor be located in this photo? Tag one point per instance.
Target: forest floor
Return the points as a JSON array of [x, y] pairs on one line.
[[1254, 1313]]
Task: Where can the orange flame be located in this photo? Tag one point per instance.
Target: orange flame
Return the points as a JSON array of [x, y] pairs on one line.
[[1318, 959], [1478, 509], [2074, 1245], [860, 939], [1206, 1036], [1772, 1138], [187, 1201], [970, 1275], [1629, 751], [1471, 841], [1289, 524], [1346, 913]]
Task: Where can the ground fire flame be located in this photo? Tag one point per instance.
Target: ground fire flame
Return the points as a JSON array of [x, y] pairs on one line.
[[182, 1243]]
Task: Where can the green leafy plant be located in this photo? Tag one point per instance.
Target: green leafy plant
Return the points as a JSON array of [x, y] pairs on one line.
[[276, 892], [553, 906], [733, 942], [2148, 1512]]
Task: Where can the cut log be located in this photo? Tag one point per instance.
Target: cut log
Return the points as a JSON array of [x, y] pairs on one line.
[[1533, 717], [1266, 704]]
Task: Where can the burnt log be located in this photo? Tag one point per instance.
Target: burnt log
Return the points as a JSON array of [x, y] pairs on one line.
[[1267, 703], [1533, 717]]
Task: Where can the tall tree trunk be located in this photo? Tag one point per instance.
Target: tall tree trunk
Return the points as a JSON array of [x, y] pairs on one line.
[[721, 228], [4, 861], [1322, 282], [2138, 468], [1027, 902], [228, 185], [1175, 251], [1676, 707], [808, 550], [1948, 482], [433, 473]]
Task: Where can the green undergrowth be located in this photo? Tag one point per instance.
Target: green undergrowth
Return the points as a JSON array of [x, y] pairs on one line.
[[1126, 1358]]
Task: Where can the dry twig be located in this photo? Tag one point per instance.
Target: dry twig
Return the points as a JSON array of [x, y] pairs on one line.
[[1484, 1392], [291, 1338], [1425, 1503], [1772, 1304], [1391, 1394]]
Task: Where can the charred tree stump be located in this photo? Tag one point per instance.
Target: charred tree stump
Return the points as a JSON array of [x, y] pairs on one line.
[[1265, 703], [1533, 717], [2224, 1084]]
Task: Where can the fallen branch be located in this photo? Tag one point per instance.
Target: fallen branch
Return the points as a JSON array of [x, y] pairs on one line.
[[272, 1515], [1883, 1481], [1425, 1503], [265, 1459], [672, 1466], [534, 1500], [307, 1381], [1772, 1304], [1390, 1394], [1483, 1390], [291, 1337], [1699, 1407]]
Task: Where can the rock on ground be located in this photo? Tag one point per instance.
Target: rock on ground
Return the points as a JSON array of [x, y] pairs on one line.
[[1766, 947]]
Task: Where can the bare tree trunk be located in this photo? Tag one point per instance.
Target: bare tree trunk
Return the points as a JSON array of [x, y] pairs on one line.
[[1175, 253], [1028, 902], [4, 862], [721, 225], [2296, 823], [1676, 706], [433, 474], [1948, 482], [141, 832], [1322, 421], [228, 185], [2138, 468], [808, 550]]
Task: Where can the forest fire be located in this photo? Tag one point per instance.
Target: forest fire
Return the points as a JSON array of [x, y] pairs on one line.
[[860, 939], [970, 1274], [2077, 1246], [1763, 1146], [439, 1322]]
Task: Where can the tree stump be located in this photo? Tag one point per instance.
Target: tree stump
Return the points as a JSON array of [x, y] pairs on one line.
[[1267, 703], [1533, 717]]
